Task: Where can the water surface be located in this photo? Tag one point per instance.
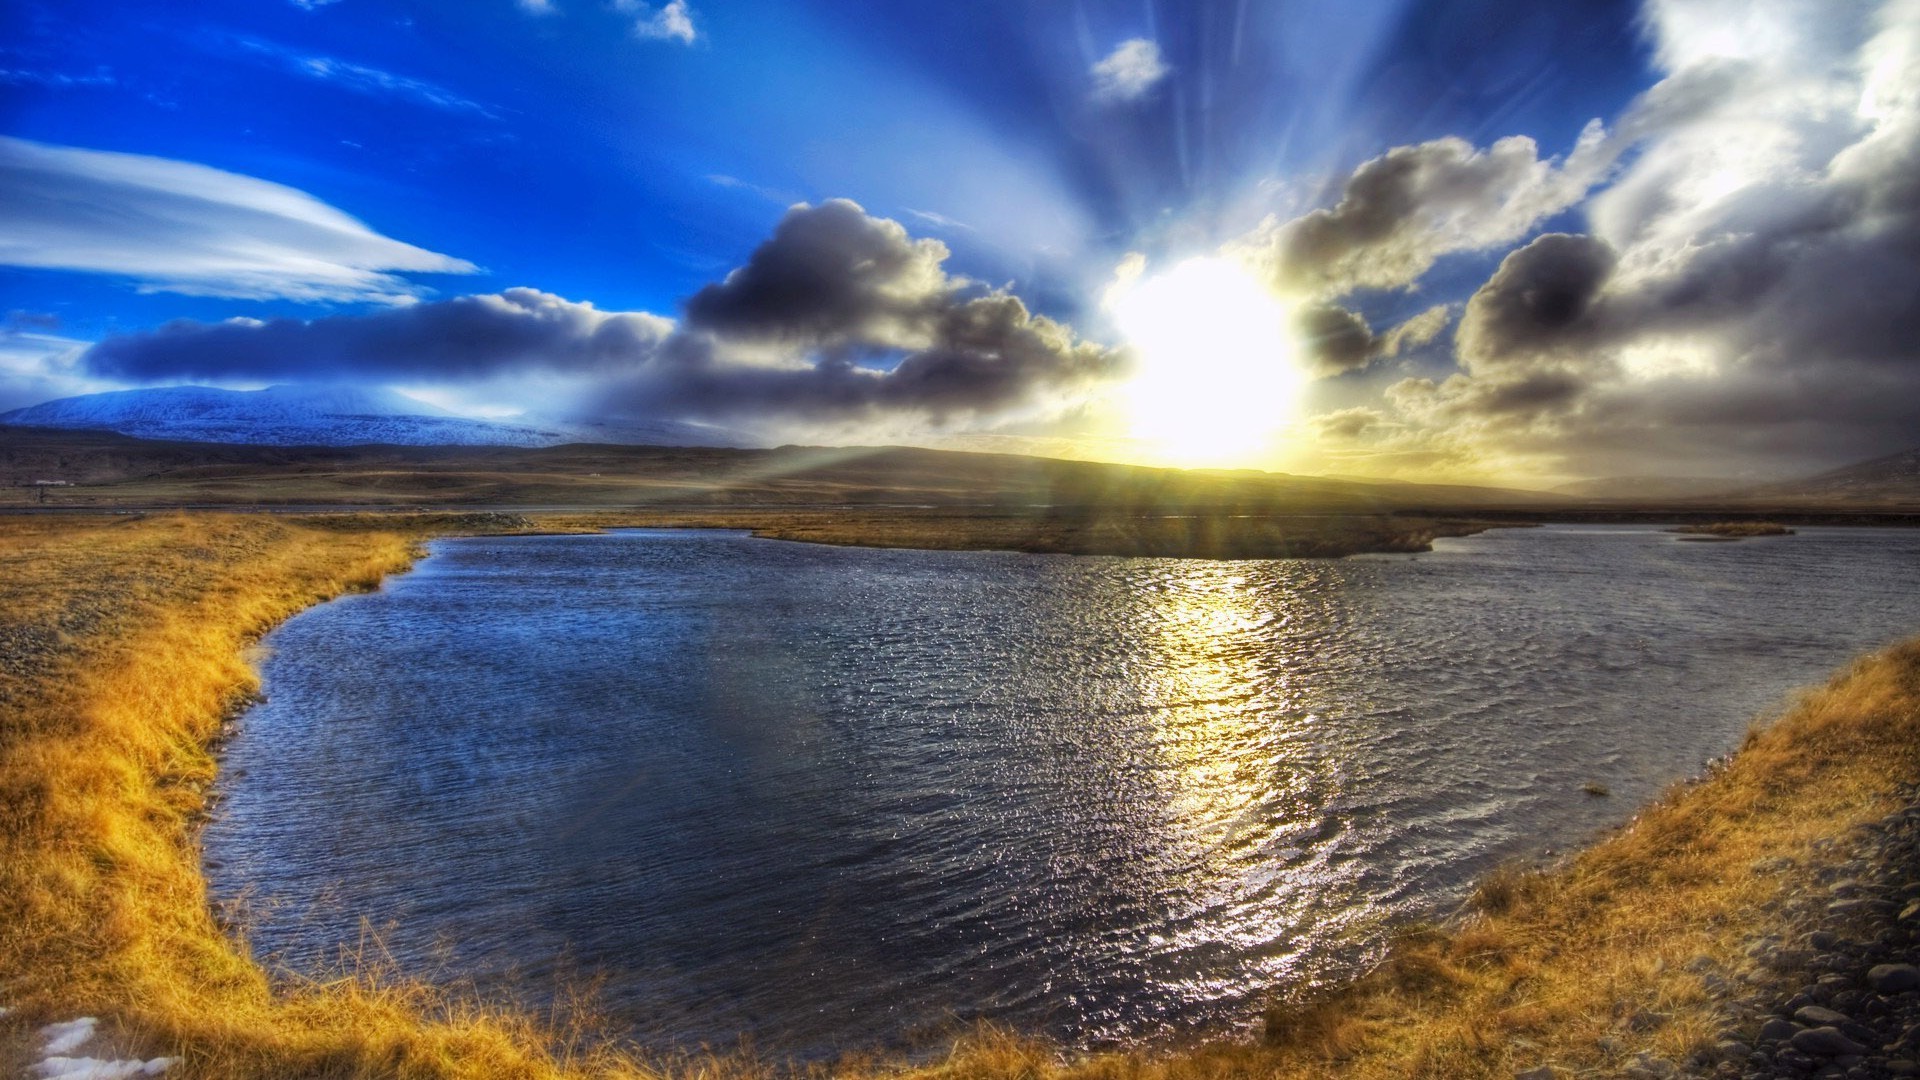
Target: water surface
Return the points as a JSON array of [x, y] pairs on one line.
[[837, 797]]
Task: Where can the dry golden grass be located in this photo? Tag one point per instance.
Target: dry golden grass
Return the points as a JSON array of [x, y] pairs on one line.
[[124, 644]]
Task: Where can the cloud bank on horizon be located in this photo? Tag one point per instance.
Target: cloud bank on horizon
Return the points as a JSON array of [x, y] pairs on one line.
[[1716, 273]]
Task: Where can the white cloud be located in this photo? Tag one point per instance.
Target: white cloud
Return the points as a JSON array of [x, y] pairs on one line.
[[175, 226], [1742, 294], [36, 366], [538, 7], [1400, 212], [674, 22], [1129, 72]]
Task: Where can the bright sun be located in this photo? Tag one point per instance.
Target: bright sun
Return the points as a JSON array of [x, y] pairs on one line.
[[1217, 378]]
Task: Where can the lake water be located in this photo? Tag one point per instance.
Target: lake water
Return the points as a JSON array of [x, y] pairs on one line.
[[833, 798]]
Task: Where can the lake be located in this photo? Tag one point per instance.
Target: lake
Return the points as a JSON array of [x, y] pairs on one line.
[[839, 798]]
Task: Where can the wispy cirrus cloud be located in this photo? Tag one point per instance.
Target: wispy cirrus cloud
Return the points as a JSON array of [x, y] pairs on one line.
[[176, 226], [58, 80], [358, 78]]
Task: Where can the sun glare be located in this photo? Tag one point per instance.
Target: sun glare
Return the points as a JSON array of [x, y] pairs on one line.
[[1217, 379]]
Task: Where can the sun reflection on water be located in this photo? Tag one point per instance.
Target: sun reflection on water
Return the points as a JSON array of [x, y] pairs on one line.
[[1251, 796]]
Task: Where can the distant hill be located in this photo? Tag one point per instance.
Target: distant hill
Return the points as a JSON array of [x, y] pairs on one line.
[[1651, 487], [1891, 482], [1891, 479], [323, 416], [95, 468]]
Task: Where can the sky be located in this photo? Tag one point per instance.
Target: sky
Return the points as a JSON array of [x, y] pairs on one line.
[[1490, 240]]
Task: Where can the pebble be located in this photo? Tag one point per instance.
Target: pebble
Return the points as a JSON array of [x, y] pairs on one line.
[[1826, 1042], [1894, 978], [1848, 943], [1778, 1030]]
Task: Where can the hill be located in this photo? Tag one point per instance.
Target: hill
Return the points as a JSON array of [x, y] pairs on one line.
[[1891, 479], [100, 469]]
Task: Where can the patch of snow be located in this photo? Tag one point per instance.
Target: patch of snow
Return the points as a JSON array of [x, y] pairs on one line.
[[66, 1068], [71, 1035], [63, 1038]]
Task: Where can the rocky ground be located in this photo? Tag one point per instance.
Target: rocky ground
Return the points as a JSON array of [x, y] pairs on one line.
[[1847, 954], [1833, 992]]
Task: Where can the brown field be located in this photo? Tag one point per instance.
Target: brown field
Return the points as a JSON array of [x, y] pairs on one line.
[[123, 653]]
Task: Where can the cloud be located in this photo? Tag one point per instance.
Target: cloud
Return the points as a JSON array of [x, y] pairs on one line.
[[519, 331], [1332, 340], [38, 365], [985, 359], [831, 272], [1742, 297], [1539, 306], [358, 78], [671, 22], [174, 226], [1417, 331], [1346, 425], [58, 80], [1401, 211], [538, 7], [939, 221], [1129, 72], [838, 318]]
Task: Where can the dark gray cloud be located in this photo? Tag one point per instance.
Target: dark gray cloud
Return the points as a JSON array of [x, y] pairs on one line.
[[1538, 304], [838, 317], [468, 337], [830, 273], [1332, 340], [986, 356]]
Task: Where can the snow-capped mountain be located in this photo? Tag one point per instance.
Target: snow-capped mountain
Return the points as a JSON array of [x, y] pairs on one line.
[[325, 416]]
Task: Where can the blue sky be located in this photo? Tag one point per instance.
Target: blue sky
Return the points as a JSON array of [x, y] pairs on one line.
[[623, 155], [562, 151]]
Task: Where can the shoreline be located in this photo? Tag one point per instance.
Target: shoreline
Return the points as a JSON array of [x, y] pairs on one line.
[[243, 1023]]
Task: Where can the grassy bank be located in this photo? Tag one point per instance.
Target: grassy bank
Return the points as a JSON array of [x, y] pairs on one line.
[[1181, 536], [123, 645]]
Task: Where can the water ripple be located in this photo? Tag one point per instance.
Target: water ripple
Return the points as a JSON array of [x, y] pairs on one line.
[[833, 798]]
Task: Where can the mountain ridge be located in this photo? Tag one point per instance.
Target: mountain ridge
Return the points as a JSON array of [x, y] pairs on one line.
[[327, 415]]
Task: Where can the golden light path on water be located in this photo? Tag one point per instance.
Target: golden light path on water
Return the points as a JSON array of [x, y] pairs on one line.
[[1230, 719]]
